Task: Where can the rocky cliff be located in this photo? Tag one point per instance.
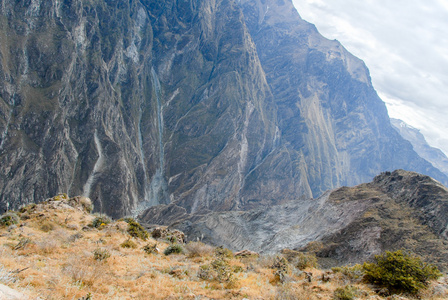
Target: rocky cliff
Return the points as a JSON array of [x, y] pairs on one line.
[[210, 105], [398, 210]]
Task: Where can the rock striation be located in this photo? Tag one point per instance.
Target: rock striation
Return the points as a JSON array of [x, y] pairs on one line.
[[204, 106]]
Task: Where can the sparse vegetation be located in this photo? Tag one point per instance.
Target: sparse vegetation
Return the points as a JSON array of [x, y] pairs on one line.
[[347, 292], [9, 218], [73, 261], [400, 272], [351, 272]]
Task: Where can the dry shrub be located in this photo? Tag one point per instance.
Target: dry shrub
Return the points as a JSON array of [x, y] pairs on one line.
[[46, 226], [198, 249], [84, 271], [47, 246], [128, 244], [290, 291], [151, 248], [101, 254]]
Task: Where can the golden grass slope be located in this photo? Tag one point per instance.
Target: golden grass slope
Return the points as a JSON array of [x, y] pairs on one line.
[[50, 254]]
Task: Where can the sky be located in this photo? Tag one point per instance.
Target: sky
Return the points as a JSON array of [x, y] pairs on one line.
[[405, 46]]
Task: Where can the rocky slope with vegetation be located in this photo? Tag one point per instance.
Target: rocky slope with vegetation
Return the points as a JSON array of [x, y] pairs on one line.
[[211, 105], [398, 210], [58, 250]]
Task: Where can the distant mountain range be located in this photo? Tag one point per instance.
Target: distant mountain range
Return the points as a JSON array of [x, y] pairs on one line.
[[216, 105], [435, 156]]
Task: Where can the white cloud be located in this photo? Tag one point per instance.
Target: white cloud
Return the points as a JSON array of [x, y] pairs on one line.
[[404, 44]]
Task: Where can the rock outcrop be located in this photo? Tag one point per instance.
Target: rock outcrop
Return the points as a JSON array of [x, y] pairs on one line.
[[203, 105]]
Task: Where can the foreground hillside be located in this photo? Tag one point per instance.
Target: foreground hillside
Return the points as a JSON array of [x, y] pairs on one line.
[[58, 250]]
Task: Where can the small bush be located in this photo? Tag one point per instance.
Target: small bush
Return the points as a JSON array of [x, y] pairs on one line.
[[195, 249], [305, 260], [222, 252], [352, 273], [128, 244], [400, 272], [101, 254], [173, 249], [218, 270], [347, 292], [101, 221], [151, 248], [8, 219], [136, 230], [46, 226]]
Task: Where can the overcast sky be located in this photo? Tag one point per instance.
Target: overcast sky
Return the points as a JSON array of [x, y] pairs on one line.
[[405, 46]]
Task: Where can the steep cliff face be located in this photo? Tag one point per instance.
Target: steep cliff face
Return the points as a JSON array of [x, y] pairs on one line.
[[130, 103], [210, 105], [333, 123]]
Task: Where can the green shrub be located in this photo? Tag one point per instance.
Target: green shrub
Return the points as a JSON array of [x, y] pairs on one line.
[[305, 260], [9, 218], [128, 244], [101, 221], [174, 248], [136, 230], [347, 292], [400, 272], [101, 254]]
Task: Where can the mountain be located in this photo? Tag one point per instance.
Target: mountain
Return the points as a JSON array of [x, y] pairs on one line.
[[209, 105], [398, 210], [435, 156]]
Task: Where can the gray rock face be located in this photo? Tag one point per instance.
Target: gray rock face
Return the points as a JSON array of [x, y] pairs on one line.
[[209, 105], [398, 210], [433, 155]]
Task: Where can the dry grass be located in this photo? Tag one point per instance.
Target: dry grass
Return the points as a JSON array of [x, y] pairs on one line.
[[60, 264]]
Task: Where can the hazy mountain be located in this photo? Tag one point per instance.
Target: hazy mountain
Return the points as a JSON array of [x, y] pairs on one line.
[[211, 105], [435, 156]]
